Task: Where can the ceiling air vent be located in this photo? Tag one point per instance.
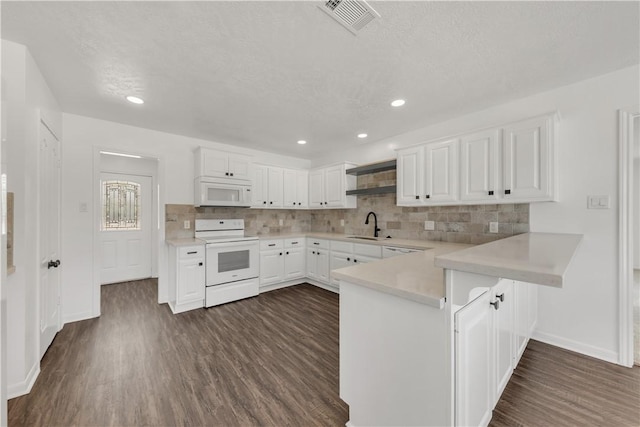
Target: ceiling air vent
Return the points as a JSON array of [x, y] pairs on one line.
[[352, 14]]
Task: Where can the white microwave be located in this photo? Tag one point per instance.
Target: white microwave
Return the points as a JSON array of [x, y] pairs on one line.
[[222, 192]]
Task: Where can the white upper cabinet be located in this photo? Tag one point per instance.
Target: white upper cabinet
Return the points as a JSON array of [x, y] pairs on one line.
[[260, 186], [221, 164], [479, 166], [528, 159], [514, 163], [328, 187], [275, 186], [441, 172], [409, 176], [296, 188]]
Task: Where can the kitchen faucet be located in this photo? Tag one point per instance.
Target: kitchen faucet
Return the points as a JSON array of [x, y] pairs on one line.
[[375, 225]]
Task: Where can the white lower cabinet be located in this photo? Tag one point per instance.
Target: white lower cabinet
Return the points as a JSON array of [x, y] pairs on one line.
[[281, 260], [345, 254], [186, 277], [318, 264], [472, 347], [491, 333]]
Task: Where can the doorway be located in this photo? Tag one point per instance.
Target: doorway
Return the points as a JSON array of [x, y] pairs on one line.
[[126, 220], [629, 236]]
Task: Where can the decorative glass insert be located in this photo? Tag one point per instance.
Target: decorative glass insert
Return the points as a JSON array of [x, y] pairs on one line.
[[120, 205]]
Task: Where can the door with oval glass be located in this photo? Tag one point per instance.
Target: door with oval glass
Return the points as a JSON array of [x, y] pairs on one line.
[[125, 227]]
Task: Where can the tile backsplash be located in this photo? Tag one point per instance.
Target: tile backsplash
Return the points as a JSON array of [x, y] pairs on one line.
[[459, 224]]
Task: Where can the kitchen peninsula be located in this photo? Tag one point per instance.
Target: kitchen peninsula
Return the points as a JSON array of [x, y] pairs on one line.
[[432, 338]]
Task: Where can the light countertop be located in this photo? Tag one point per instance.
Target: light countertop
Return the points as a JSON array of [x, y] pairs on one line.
[[413, 276], [191, 241], [382, 241], [540, 258]]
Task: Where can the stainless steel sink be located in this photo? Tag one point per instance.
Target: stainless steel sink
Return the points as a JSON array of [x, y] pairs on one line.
[[362, 237]]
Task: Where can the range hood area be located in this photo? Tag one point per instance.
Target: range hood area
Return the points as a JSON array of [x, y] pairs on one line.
[[372, 168]]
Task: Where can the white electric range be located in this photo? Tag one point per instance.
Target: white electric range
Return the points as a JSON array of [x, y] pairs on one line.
[[232, 262]]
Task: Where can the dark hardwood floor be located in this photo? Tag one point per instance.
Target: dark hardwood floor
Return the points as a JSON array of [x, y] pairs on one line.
[[267, 361]]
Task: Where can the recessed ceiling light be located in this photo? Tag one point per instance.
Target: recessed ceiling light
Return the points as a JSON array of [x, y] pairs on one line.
[[362, 135], [397, 103], [135, 99], [302, 142]]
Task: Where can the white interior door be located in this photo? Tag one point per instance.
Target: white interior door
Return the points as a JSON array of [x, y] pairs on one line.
[[125, 228], [49, 232]]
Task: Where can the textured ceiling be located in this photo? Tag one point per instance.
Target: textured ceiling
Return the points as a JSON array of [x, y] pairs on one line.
[[265, 74]]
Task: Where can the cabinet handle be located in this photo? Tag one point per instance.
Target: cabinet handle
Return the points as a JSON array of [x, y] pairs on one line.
[[500, 297], [355, 260], [507, 191], [200, 264], [316, 243], [313, 252], [264, 203], [417, 197], [271, 244], [495, 304], [299, 204], [294, 203], [270, 203], [491, 192], [231, 174], [348, 259], [317, 253], [192, 252], [287, 253], [280, 253], [427, 196], [294, 243]]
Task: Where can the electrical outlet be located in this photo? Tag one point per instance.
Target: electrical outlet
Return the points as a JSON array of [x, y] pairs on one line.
[[281, 222], [597, 202], [429, 225], [342, 223], [493, 227], [187, 224]]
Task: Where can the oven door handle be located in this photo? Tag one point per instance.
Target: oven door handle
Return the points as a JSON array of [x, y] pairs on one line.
[[236, 244]]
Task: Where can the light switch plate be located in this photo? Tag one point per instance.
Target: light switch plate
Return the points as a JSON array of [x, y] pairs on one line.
[[597, 202], [429, 225], [493, 227], [187, 224]]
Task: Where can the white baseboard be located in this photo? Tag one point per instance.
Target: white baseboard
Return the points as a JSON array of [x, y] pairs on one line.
[[76, 317], [578, 347], [24, 387], [281, 285]]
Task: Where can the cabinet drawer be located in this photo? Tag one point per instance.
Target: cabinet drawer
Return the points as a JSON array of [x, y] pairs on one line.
[[187, 252], [318, 243], [373, 251], [268, 244], [294, 242], [337, 245]]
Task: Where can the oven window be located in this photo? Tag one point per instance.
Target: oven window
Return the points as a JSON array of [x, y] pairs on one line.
[[232, 261]]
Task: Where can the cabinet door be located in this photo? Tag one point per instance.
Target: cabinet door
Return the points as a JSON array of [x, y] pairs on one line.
[[239, 166], [294, 263], [290, 189], [260, 186], [275, 188], [527, 160], [473, 403], [302, 189], [441, 171], [334, 187], [339, 260], [312, 264], [322, 267], [363, 259], [521, 320], [503, 323], [316, 188], [191, 285], [409, 177], [478, 166], [271, 267], [214, 163]]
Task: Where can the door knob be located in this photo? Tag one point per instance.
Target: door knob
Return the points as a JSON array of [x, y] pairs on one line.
[[53, 264], [495, 304]]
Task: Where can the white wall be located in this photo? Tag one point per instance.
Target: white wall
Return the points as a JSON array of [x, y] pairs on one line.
[[582, 316], [28, 98], [83, 138]]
